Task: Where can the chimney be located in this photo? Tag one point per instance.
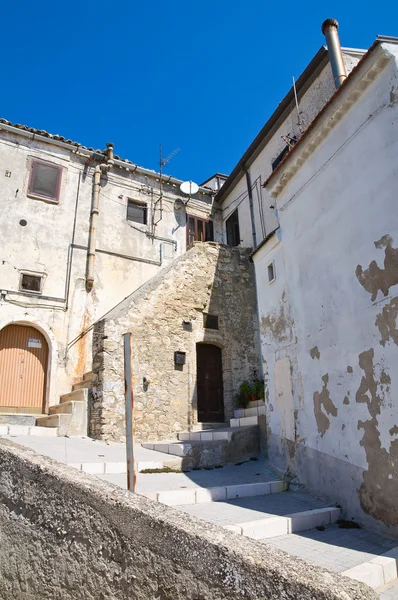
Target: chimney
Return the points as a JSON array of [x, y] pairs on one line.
[[329, 30]]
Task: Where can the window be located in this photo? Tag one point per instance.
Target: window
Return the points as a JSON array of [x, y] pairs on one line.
[[285, 150], [199, 230], [271, 272], [137, 211], [210, 321], [45, 181], [232, 227], [31, 283]]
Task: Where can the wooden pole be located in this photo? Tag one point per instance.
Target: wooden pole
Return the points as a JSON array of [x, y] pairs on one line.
[[129, 398]]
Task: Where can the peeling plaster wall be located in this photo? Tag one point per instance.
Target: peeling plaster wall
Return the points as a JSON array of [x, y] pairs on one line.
[[332, 311], [42, 245], [264, 216], [209, 278]]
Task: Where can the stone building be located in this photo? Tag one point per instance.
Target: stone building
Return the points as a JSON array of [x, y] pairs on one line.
[[193, 343], [81, 230]]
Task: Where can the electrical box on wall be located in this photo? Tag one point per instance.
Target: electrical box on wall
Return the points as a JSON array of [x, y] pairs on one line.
[[179, 358]]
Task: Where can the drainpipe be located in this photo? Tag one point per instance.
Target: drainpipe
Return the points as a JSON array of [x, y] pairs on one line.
[[98, 172], [250, 192], [329, 30]]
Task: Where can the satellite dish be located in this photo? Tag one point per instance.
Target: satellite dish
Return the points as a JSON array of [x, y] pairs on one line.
[[189, 188]]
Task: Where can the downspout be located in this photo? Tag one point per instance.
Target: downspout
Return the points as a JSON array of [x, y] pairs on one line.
[[250, 192], [98, 172], [329, 30]]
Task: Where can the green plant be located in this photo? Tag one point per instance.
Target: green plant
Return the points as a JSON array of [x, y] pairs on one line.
[[258, 389], [243, 396]]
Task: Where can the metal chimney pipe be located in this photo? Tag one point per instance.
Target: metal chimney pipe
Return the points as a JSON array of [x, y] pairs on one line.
[[329, 30]]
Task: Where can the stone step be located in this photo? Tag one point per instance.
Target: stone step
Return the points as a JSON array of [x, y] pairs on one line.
[[88, 376], [254, 403], [244, 422], [201, 495], [19, 418], [61, 422], [66, 408], [224, 433], [16, 430], [78, 396], [249, 412], [236, 445], [81, 385], [207, 426], [273, 526]]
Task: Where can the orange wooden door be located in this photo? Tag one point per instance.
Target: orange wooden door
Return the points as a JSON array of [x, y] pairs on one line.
[[23, 369]]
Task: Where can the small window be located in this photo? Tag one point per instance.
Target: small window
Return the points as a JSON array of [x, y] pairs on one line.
[[199, 230], [271, 272], [31, 283], [45, 181], [137, 212], [232, 227], [210, 321]]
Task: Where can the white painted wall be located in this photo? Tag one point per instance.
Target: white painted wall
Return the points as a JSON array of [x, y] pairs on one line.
[[42, 245], [265, 218], [340, 202]]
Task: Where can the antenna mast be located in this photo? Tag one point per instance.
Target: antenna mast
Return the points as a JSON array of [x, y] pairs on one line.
[[297, 107]]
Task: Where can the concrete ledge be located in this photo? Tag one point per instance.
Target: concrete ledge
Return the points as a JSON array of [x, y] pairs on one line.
[[28, 430], [377, 572], [88, 538]]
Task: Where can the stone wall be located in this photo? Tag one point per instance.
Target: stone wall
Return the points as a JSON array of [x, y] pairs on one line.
[[70, 536], [166, 315]]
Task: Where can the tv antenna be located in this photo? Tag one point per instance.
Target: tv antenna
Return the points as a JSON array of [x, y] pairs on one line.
[[163, 162], [299, 122]]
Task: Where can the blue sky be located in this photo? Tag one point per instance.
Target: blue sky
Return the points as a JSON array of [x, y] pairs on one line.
[[199, 76]]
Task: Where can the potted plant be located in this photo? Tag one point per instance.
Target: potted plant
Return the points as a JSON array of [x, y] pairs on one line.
[[258, 389], [244, 394]]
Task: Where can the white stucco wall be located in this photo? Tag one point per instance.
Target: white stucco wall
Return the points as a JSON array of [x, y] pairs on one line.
[[332, 311], [42, 245], [265, 217]]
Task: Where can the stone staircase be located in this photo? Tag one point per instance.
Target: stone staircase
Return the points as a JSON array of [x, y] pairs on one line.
[[219, 445], [69, 417]]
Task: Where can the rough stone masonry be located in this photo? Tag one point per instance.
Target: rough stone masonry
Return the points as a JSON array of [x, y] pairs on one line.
[[69, 536], [166, 315]]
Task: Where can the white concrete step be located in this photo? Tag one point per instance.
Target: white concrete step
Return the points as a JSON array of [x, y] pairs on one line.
[[205, 435], [254, 403], [81, 385], [249, 412], [78, 396], [244, 422], [201, 495], [274, 526], [15, 430], [207, 426], [88, 376]]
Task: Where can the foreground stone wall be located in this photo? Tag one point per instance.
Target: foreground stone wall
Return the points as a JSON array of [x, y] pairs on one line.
[[166, 315], [66, 535]]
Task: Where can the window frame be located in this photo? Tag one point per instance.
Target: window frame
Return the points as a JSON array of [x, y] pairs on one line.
[[138, 204], [271, 265], [235, 232], [28, 274], [32, 194], [207, 320], [207, 226]]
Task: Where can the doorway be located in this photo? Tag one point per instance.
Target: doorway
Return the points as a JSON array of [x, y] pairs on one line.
[[209, 384], [23, 369]]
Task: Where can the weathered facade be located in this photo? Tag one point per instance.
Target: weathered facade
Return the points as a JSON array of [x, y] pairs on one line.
[[167, 315], [328, 316], [135, 226]]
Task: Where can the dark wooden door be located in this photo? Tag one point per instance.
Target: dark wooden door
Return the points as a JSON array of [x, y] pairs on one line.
[[209, 384]]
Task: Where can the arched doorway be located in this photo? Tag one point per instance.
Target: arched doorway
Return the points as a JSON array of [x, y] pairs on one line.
[[23, 369], [209, 384]]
